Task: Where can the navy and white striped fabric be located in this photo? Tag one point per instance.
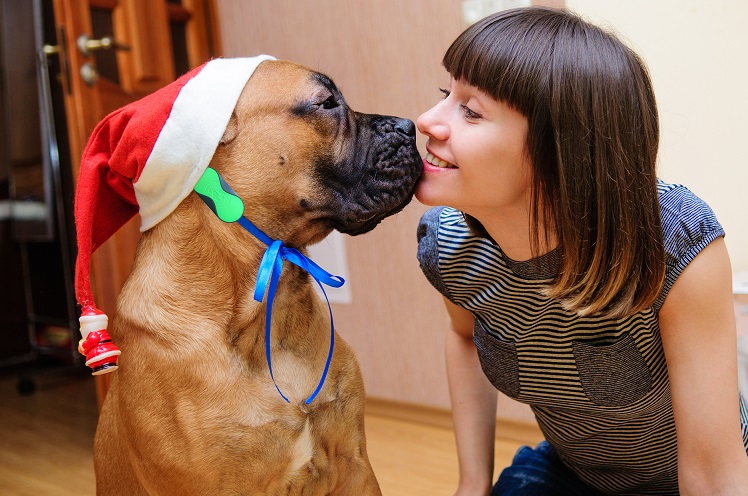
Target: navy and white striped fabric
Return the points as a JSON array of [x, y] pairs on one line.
[[598, 387]]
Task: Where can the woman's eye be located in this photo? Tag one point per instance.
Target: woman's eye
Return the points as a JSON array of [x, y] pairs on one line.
[[330, 103], [445, 92], [469, 113]]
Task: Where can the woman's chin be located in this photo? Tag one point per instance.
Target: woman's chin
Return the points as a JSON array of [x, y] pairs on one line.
[[424, 196]]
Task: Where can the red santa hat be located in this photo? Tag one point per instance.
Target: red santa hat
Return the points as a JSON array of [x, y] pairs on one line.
[[146, 158]]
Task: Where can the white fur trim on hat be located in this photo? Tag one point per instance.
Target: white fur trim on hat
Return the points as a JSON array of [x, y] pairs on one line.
[[189, 138]]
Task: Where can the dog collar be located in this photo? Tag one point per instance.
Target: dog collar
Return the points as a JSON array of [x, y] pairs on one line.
[[226, 204]]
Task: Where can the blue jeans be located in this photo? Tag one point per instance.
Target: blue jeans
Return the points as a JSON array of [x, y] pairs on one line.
[[539, 472]]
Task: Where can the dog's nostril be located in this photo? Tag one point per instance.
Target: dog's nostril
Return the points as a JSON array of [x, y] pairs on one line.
[[405, 127]]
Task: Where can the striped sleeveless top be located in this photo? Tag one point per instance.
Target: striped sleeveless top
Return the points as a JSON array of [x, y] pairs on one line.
[[598, 387]]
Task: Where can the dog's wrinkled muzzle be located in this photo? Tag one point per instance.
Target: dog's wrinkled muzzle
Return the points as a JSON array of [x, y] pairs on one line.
[[386, 167]]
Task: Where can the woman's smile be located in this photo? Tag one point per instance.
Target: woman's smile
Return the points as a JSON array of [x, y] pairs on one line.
[[437, 162]]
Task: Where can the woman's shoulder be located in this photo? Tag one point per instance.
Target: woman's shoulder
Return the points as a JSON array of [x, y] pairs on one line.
[[428, 247], [687, 220], [442, 233], [688, 225], [438, 220], [674, 196], [436, 216]]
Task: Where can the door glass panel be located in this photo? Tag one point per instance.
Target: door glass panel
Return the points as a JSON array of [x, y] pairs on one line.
[[106, 60], [179, 47]]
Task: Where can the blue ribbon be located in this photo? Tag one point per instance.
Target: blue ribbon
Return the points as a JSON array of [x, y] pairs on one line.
[[268, 276], [226, 204]]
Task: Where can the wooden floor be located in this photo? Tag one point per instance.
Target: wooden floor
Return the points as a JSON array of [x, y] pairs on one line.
[[46, 439]]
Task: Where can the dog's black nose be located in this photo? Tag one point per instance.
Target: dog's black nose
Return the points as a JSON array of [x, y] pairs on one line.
[[405, 127]]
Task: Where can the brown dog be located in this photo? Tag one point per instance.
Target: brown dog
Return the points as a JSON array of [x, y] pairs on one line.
[[192, 408]]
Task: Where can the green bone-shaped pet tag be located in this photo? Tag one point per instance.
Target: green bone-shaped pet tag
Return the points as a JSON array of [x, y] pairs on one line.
[[219, 196]]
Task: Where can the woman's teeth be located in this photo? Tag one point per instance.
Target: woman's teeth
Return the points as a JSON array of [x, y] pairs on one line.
[[437, 162]]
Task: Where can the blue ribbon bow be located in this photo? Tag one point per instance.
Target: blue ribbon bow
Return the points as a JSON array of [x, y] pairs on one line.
[[268, 276], [228, 207]]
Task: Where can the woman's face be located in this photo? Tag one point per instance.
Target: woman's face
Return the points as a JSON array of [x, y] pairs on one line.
[[476, 160]]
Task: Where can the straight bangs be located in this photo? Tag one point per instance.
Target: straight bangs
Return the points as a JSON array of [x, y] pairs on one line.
[[505, 57]]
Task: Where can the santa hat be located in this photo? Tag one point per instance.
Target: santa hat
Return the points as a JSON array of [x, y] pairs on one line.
[[146, 158]]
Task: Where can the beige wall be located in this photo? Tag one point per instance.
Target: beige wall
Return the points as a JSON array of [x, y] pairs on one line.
[[384, 62], [696, 52], [385, 56]]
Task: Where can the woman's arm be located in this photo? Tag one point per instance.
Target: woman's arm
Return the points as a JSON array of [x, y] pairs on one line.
[[473, 406], [697, 324]]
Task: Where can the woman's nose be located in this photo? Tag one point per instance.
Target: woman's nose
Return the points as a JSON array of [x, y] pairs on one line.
[[431, 124]]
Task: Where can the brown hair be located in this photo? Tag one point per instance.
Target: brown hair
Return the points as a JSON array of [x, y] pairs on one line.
[[592, 140]]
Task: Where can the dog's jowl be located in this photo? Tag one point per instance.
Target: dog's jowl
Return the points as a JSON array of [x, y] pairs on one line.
[[228, 381]]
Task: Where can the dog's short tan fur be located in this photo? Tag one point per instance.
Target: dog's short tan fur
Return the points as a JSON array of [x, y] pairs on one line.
[[192, 408]]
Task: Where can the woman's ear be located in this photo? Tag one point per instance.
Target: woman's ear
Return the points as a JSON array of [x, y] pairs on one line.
[[232, 129]]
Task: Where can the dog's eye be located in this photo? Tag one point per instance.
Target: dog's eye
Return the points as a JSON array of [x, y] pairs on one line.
[[330, 103]]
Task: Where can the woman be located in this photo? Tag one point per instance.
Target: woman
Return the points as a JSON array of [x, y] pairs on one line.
[[576, 281]]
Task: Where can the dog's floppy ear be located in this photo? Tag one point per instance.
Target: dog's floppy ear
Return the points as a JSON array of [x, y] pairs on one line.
[[232, 129]]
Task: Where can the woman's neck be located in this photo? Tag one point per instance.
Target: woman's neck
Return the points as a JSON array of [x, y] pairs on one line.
[[512, 232]]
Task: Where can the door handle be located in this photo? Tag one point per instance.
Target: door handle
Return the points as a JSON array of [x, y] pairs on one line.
[[89, 74], [86, 45]]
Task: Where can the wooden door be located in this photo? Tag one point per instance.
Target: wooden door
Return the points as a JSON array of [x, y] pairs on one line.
[[114, 52]]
